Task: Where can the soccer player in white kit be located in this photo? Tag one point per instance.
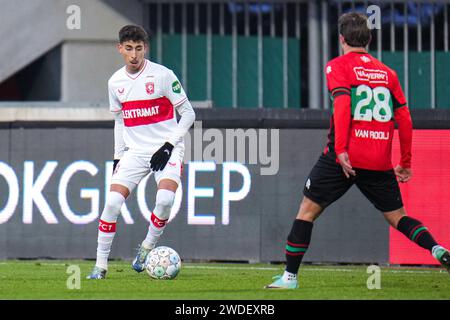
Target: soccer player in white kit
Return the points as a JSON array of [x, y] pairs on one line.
[[143, 97]]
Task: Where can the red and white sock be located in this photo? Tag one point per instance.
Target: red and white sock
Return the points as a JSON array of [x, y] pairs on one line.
[[159, 218], [107, 228], [106, 233], [155, 230]]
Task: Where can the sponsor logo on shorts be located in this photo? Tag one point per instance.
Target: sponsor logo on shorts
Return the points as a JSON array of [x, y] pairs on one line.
[[308, 183]]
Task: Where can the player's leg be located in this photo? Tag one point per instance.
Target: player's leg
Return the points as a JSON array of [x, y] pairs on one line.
[[382, 189], [299, 237], [418, 233], [165, 197], [160, 215], [297, 244], [326, 183], [128, 173], [107, 228], [167, 180]]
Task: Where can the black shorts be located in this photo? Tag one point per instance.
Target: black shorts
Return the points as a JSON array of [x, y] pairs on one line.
[[327, 183]]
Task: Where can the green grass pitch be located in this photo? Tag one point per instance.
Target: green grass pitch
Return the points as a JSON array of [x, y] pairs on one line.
[[47, 279]]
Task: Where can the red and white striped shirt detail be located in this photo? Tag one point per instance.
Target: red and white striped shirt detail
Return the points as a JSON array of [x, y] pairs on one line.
[[147, 103], [144, 112]]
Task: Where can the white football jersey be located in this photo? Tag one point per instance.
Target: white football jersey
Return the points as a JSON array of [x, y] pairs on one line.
[[147, 101]]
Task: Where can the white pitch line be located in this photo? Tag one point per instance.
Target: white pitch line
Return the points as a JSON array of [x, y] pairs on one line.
[[230, 268], [414, 271], [53, 264], [386, 270], [265, 268], [327, 269], [309, 269], [40, 263]]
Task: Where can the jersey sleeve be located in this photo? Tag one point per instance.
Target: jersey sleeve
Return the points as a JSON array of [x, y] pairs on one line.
[[119, 142], [337, 80], [173, 89], [403, 119], [114, 103], [339, 87], [398, 96], [186, 120]]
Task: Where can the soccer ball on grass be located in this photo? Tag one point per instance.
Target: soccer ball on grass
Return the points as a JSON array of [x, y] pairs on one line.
[[163, 263]]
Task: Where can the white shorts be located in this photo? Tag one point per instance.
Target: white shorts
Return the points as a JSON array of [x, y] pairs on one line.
[[132, 168]]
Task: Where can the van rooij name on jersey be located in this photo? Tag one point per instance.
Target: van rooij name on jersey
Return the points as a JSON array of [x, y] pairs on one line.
[[369, 134]]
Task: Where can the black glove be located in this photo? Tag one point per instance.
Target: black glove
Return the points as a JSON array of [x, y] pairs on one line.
[[160, 158], [116, 161]]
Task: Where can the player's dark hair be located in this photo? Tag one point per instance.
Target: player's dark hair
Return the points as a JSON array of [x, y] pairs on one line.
[[355, 30], [133, 33]]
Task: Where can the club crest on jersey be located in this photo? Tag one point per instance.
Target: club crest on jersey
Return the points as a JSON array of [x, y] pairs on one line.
[[371, 75], [365, 59], [150, 87]]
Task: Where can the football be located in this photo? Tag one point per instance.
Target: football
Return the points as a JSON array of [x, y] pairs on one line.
[[163, 263]]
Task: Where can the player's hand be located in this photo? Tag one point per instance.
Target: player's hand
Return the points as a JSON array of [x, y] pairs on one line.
[[403, 174], [346, 165], [160, 158], [116, 162]]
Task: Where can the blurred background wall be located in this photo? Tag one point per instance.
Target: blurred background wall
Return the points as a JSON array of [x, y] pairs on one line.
[[238, 54]]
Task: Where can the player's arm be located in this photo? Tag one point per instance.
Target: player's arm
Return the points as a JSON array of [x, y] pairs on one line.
[[342, 119], [339, 88], [119, 143], [187, 118], [405, 132], [115, 108], [175, 93]]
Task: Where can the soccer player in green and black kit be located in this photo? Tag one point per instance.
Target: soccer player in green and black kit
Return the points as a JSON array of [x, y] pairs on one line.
[[367, 99]]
